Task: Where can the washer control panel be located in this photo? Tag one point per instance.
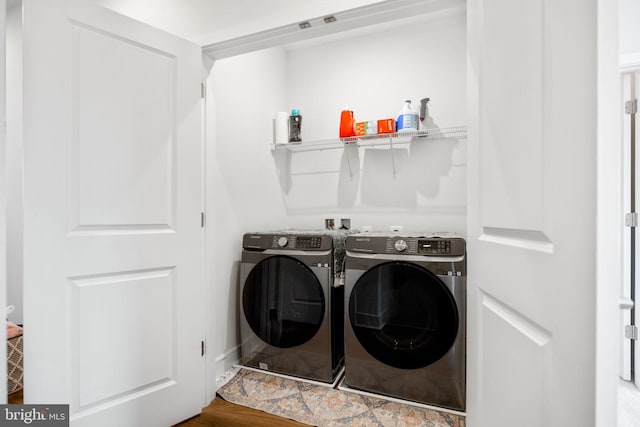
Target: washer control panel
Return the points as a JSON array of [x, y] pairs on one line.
[[308, 242], [287, 241], [297, 242]]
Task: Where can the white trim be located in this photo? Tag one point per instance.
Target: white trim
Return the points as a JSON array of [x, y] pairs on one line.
[[226, 361], [3, 200], [343, 387], [289, 377], [359, 17], [223, 379], [630, 62]]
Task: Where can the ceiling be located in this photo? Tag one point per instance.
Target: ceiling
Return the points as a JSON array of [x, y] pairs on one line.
[[211, 21]]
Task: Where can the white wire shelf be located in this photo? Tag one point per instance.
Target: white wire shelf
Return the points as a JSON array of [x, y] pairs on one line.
[[378, 140]]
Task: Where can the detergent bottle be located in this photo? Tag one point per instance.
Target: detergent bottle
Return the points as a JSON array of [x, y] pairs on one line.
[[407, 119]]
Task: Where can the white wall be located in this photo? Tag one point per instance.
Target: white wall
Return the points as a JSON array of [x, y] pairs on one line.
[[14, 160], [374, 74], [241, 185], [251, 187]]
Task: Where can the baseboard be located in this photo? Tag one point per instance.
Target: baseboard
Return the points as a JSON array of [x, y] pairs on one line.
[[224, 364]]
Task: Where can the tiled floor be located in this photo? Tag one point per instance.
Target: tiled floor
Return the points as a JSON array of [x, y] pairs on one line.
[[628, 405]]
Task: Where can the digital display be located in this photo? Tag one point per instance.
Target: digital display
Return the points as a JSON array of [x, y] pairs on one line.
[[434, 246], [308, 242]]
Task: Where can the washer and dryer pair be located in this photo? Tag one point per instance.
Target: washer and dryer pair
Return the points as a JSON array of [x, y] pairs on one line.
[[397, 326]]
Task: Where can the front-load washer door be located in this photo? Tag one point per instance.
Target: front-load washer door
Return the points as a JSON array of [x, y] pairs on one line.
[[283, 301], [403, 315]]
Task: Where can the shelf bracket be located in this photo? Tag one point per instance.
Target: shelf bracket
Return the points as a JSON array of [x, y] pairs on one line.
[[346, 152], [393, 159]]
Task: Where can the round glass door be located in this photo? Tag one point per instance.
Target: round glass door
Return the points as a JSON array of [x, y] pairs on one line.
[[403, 315], [283, 301]]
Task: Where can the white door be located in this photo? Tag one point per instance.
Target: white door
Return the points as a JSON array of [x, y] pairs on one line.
[[532, 213], [112, 200]]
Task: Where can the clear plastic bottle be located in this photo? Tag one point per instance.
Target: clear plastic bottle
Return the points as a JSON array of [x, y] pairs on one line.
[[295, 126], [407, 119]]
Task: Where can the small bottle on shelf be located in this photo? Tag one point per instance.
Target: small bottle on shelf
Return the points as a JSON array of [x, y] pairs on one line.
[[295, 126]]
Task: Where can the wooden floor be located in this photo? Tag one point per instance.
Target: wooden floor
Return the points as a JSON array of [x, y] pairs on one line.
[[15, 398], [221, 413]]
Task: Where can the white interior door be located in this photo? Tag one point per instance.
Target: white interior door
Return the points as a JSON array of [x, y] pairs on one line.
[[112, 200], [532, 213]]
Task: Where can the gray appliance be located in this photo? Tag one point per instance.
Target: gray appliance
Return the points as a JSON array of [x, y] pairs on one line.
[[292, 303], [405, 317]]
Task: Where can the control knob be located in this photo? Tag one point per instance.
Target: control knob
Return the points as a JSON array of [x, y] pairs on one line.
[[282, 241], [400, 245]]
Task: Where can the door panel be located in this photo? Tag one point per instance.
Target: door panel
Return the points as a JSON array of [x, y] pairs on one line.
[[145, 307], [113, 240], [512, 131], [532, 241], [133, 124], [518, 345]]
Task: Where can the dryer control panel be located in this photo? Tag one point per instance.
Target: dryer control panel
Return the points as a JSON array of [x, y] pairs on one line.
[[434, 247], [407, 245]]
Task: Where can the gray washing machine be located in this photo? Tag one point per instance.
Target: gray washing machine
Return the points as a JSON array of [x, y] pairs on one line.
[[405, 317], [292, 303]]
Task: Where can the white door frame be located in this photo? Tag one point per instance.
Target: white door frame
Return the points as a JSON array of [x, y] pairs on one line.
[[3, 204], [609, 221], [629, 357]]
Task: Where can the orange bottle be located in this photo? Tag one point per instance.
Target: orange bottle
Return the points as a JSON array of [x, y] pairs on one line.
[[347, 123]]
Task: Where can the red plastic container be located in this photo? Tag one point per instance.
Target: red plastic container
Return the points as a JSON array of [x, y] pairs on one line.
[[347, 123]]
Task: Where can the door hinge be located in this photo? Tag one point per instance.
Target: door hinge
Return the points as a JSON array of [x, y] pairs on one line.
[[202, 217], [631, 332], [202, 91], [201, 348], [631, 107], [631, 219]]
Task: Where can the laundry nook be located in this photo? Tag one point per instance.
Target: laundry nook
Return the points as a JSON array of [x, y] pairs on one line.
[[320, 213]]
